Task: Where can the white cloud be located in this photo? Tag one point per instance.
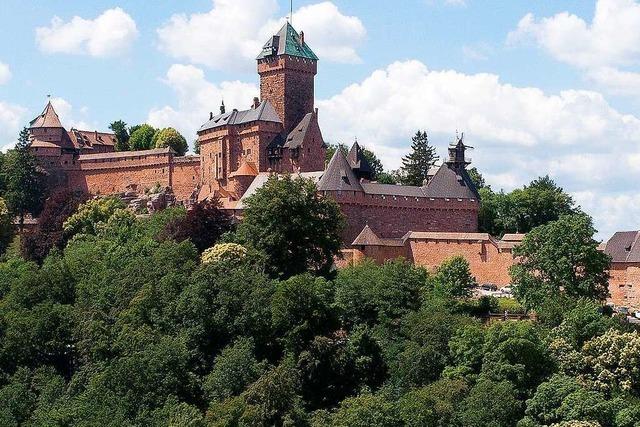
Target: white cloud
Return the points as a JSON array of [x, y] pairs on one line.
[[196, 98], [12, 119], [477, 51], [616, 81], [230, 35], [610, 41], [519, 132], [69, 117], [332, 35], [110, 34], [5, 73]]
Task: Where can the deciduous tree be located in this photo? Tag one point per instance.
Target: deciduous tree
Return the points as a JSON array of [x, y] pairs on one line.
[[560, 258], [298, 229]]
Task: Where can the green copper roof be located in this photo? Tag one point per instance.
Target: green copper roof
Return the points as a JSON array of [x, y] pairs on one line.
[[287, 42]]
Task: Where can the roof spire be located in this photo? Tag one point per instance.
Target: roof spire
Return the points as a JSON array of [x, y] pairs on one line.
[[291, 12], [222, 107]]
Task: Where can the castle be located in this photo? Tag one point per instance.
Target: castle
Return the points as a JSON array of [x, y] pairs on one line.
[[240, 149], [280, 133]]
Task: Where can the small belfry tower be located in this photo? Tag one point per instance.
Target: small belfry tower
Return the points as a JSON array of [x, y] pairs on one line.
[[287, 68]]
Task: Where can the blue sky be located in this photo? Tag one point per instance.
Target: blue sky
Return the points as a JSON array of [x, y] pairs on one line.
[[537, 87]]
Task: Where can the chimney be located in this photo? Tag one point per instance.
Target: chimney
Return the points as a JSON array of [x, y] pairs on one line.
[[302, 38], [210, 115], [256, 102]]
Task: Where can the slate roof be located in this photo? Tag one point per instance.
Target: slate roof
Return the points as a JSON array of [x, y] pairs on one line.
[[367, 238], [357, 160], [624, 246], [287, 41], [296, 137], [264, 112], [338, 176], [47, 119], [451, 183], [90, 138], [392, 189]]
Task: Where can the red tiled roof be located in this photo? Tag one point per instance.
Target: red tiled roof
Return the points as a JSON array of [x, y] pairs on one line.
[[47, 119]]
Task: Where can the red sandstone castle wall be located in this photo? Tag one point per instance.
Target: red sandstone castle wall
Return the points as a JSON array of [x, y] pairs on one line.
[[624, 284], [113, 175], [185, 177], [394, 216], [488, 265]]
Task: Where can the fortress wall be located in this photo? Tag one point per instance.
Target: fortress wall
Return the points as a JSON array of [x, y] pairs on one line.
[[488, 264], [108, 175], [185, 176], [624, 284], [394, 216]]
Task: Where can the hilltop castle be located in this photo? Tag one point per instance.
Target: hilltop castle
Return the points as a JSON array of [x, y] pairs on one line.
[[240, 149]]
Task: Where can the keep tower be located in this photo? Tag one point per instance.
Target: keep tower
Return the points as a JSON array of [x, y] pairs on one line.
[[287, 68]]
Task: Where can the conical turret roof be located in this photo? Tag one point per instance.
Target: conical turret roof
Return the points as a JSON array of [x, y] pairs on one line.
[[48, 119], [338, 176]]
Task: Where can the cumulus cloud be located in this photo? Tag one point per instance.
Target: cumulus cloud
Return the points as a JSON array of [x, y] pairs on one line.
[[519, 132], [196, 97], [71, 117], [110, 34], [12, 118], [5, 73], [230, 35], [610, 41]]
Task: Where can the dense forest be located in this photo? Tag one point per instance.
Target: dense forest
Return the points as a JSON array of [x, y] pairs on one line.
[[187, 319]]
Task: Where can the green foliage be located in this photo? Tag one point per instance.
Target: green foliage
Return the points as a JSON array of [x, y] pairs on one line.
[[119, 128], [477, 178], [233, 370], [92, 215], [6, 227], [612, 362], [366, 410], [538, 203], [142, 137], [169, 137], [416, 165], [491, 404], [301, 309], [544, 405], [25, 188], [122, 326], [560, 258], [369, 294], [297, 229], [224, 252], [453, 278], [204, 224], [433, 405]]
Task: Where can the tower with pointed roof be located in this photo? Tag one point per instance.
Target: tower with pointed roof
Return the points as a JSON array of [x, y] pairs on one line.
[[287, 68]]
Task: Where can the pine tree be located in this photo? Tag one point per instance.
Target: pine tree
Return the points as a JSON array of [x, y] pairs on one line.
[[416, 165], [25, 187]]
